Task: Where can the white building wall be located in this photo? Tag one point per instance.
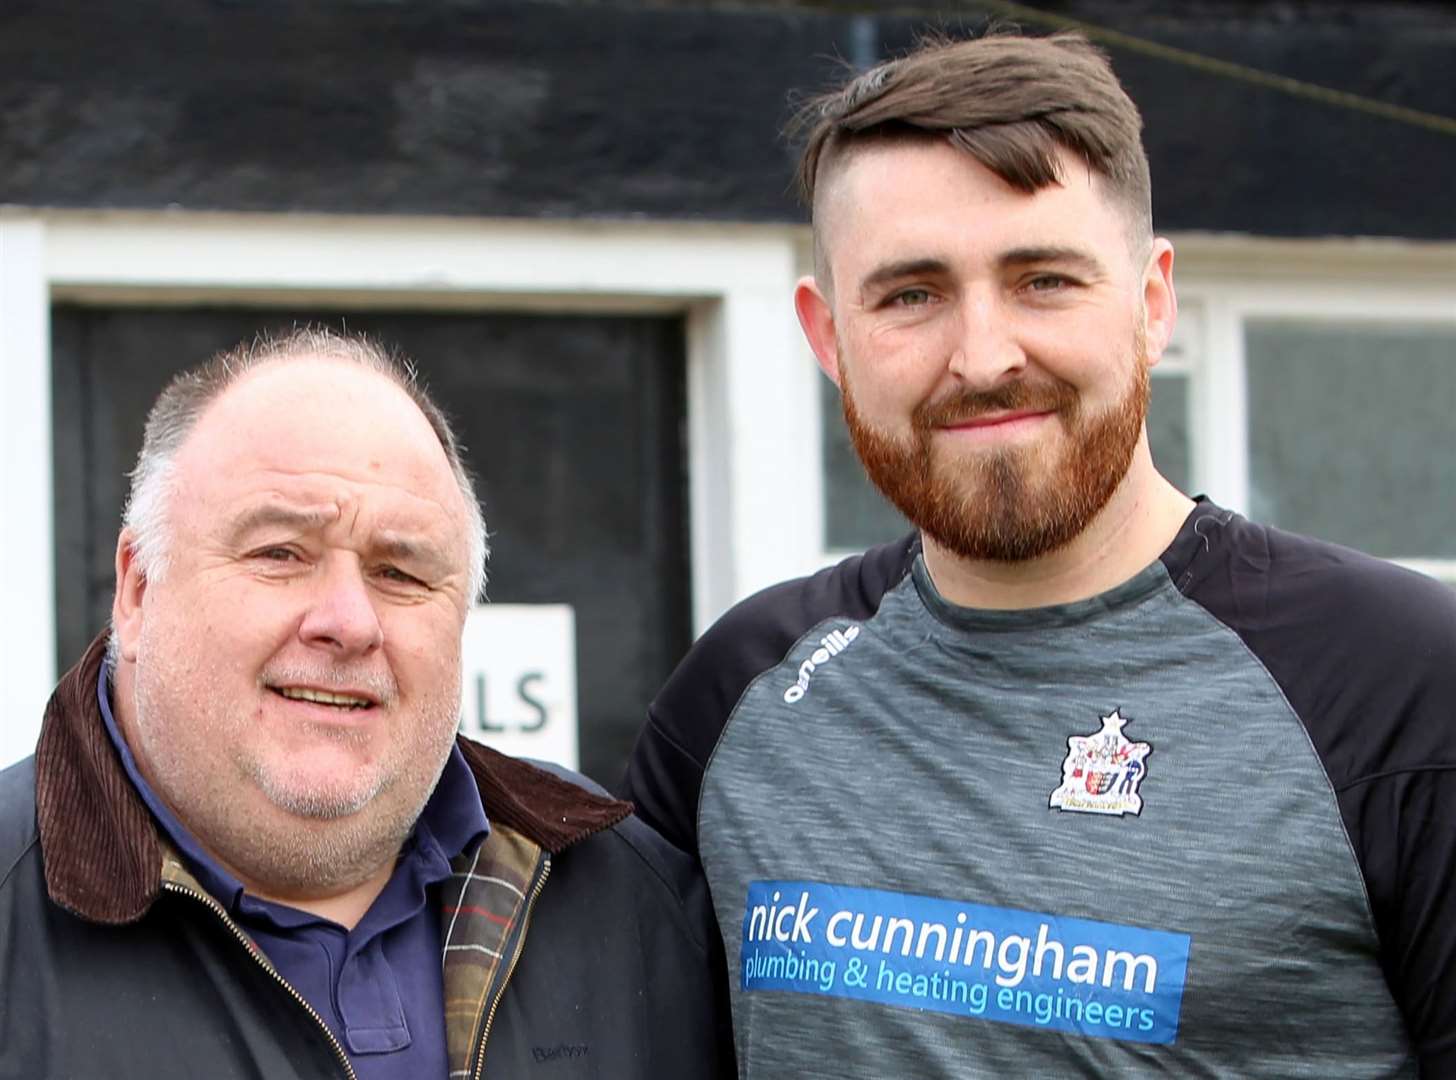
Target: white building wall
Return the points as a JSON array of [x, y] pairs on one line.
[[27, 550]]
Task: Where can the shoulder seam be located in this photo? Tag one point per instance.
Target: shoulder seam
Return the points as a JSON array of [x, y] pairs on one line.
[[671, 890], [24, 851], [1319, 759], [761, 674], [662, 731], [1389, 773]]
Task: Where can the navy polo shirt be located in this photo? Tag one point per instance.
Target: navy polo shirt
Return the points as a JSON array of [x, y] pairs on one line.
[[377, 986]]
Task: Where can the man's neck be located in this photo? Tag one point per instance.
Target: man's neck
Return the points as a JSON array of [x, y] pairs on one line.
[[346, 908], [1137, 524]]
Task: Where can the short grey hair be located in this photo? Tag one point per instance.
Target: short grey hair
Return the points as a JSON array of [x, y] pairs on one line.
[[184, 400]]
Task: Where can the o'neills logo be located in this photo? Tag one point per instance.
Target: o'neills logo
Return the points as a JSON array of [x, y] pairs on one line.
[[830, 645]]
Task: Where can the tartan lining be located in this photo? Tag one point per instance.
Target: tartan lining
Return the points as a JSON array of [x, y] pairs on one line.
[[485, 912], [176, 872], [482, 904]]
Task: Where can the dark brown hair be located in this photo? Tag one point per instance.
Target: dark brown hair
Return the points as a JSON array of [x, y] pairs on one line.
[[1009, 101]]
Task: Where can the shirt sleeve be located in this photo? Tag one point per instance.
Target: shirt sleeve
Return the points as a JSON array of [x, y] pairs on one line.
[[1365, 653], [665, 773], [1403, 826]]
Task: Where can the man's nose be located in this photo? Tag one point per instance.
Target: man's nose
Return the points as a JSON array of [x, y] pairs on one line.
[[986, 351], [341, 616]]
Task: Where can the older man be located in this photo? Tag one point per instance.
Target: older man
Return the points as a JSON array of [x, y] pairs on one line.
[[250, 842], [1084, 778]]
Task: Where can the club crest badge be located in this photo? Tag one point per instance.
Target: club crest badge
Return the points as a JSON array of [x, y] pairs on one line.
[[1102, 771]]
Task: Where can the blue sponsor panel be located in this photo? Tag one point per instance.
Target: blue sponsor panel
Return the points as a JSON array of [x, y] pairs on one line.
[[1101, 979]]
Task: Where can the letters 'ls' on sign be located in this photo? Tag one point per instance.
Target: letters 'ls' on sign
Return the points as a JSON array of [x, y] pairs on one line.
[[518, 680]]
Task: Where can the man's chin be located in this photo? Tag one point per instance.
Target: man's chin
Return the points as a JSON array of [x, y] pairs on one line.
[[1009, 545], [319, 793]]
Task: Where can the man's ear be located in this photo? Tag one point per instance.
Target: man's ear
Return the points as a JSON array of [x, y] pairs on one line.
[[1160, 301], [816, 316], [126, 605]]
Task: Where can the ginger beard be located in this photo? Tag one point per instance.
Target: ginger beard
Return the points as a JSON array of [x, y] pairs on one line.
[[1011, 504]]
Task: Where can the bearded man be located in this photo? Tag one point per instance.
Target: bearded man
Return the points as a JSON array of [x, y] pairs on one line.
[[250, 842], [1084, 778]]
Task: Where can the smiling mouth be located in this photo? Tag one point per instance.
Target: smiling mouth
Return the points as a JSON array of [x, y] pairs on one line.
[[348, 702], [984, 423]]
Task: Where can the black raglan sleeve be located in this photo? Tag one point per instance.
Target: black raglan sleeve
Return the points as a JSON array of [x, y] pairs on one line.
[[665, 773], [1403, 825], [1365, 653]]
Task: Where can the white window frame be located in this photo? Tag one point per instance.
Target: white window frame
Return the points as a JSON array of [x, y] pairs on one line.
[[1225, 281]]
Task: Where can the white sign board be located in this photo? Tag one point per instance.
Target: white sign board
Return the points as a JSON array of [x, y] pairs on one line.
[[518, 680]]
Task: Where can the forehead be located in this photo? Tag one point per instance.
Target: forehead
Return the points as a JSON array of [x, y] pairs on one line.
[[883, 198], [299, 426]]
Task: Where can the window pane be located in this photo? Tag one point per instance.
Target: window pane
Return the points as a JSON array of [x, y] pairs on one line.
[[856, 515], [1168, 428], [1352, 433]]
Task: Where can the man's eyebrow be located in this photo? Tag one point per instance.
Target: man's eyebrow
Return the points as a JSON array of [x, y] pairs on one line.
[[1061, 256], [271, 515], [408, 548], [903, 268]]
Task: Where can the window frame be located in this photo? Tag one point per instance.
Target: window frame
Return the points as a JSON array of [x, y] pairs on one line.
[[1229, 281]]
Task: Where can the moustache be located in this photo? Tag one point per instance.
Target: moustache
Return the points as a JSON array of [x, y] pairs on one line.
[[965, 405]]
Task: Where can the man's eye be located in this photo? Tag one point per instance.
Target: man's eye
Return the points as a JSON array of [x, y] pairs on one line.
[[911, 298], [1047, 283], [277, 554], [395, 574]]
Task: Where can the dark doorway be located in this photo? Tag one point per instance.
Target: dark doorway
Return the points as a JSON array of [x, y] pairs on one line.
[[574, 426]]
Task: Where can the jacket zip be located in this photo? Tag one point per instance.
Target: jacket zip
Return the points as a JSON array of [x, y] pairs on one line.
[[217, 909], [519, 944]]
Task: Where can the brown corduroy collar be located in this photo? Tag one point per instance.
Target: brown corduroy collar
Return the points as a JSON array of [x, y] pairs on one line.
[[102, 852]]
